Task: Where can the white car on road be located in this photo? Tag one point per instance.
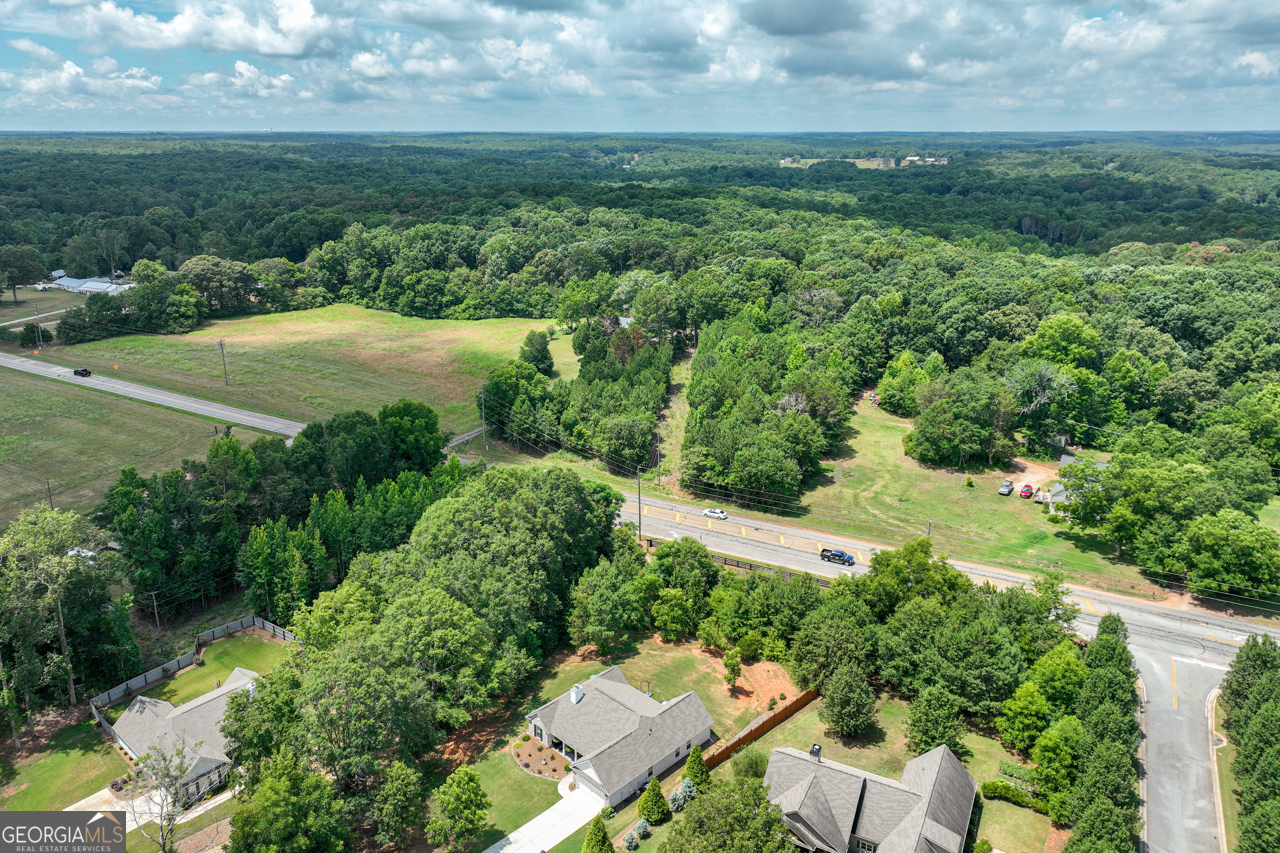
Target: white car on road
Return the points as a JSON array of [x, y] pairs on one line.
[[715, 513]]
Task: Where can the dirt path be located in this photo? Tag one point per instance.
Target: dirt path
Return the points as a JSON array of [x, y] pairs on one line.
[[1035, 473]]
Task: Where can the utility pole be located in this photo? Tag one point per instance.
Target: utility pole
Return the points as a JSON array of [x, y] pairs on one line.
[[928, 531], [639, 507], [48, 487], [155, 607], [484, 423], [39, 336], [222, 346]]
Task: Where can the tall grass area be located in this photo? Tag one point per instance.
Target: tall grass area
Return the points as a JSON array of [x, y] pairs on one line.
[[309, 365], [78, 440]]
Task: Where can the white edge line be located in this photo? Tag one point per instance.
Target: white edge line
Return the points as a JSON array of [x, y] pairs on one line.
[[1142, 757], [1202, 663], [1211, 703]]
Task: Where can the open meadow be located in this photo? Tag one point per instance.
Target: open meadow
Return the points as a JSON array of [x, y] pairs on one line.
[[32, 302], [79, 439], [309, 365]]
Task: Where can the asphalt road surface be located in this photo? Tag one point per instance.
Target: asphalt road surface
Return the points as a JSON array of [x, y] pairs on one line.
[[266, 423], [1181, 657]]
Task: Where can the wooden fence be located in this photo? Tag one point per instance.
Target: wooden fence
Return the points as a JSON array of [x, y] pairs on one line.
[[759, 727]]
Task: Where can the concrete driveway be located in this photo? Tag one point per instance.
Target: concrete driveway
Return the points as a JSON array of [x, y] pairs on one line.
[[136, 811], [574, 811]]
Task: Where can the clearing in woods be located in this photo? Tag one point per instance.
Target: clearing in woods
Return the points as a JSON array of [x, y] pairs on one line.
[[79, 439], [309, 365]]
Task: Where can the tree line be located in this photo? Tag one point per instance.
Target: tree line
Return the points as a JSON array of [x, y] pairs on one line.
[[1251, 699]]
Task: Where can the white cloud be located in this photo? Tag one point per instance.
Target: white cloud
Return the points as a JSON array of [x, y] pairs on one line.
[[807, 63]]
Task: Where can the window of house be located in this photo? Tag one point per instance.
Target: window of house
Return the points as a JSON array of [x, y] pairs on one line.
[[537, 732], [866, 846], [650, 771]]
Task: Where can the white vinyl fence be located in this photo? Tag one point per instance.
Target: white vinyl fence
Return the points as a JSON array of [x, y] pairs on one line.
[[166, 670]]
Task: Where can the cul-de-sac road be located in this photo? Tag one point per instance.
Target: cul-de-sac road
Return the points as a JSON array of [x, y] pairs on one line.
[[1181, 657]]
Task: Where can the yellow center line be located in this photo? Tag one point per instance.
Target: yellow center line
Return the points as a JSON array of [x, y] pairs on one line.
[[781, 541], [861, 559], [1174, 664], [744, 530], [1220, 640]]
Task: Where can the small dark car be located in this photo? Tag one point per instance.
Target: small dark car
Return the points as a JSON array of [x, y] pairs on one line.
[[82, 371], [1006, 488]]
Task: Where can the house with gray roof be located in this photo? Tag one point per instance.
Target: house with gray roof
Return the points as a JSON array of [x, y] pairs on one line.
[[618, 738], [835, 808], [153, 724]]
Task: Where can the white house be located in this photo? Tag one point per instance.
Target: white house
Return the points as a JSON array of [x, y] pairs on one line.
[[618, 738]]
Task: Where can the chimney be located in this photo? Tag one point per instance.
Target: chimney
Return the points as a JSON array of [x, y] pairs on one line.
[[575, 694], [815, 752]]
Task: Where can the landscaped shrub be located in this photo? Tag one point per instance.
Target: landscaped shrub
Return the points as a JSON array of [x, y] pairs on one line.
[[676, 800], [524, 738], [630, 841], [642, 828], [684, 795], [983, 846], [1001, 790], [695, 769], [773, 703], [653, 806], [750, 762], [607, 813]]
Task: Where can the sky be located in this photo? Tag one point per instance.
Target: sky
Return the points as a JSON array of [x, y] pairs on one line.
[[639, 65]]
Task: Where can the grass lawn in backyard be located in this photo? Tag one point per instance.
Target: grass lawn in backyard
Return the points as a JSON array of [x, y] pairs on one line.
[[885, 753], [1227, 787], [309, 365], [250, 651], [74, 764], [666, 670], [79, 439]]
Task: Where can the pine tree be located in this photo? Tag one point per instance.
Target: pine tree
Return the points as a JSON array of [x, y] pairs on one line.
[[597, 840], [653, 806], [695, 769]]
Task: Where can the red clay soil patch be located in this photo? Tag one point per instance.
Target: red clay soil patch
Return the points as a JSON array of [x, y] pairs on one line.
[[469, 743], [1057, 840], [769, 679], [48, 725]]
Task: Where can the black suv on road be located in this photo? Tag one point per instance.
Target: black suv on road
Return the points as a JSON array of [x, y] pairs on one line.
[[82, 371]]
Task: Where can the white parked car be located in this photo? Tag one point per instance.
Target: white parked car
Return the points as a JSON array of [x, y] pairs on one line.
[[715, 513]]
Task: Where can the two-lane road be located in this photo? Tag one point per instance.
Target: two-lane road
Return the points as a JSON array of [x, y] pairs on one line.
[[1181, 657], [181, 402]]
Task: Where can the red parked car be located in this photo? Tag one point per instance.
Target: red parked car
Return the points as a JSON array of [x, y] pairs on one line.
[[1026, 491]]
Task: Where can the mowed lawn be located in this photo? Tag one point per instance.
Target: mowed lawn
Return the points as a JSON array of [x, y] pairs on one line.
[[885, 753], [76, 762], [309, 365], [870, 488], [79, 440], [32, 302], [249, 651], [666, 670]]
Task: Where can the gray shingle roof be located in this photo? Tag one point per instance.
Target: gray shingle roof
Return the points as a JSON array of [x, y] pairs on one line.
[[149, 724], [826, 803], [618, 731]]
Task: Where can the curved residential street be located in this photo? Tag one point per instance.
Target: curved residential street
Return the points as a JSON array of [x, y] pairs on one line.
[[1181, 657]]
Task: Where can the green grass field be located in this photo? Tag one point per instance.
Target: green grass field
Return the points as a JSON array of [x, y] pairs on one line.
[[871, 488], [80, 439], [885, 753], [1227, 787], [32, 302], [76, 763], [220, 659], [309, 365]]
